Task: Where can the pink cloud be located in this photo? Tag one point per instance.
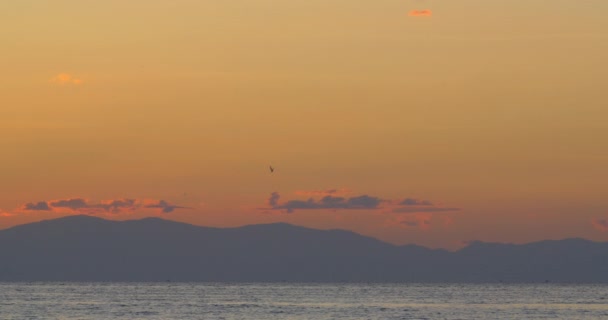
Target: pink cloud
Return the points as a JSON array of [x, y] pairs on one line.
[[420, 13], [600, 224], [66, 79], [6, 214]]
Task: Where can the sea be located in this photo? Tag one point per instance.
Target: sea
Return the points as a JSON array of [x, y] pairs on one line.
[[83, 301]]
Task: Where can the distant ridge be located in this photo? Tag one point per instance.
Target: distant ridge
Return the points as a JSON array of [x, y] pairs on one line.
[[85, 248]]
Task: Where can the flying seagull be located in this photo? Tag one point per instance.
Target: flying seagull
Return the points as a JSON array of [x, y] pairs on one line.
[[271, 169]]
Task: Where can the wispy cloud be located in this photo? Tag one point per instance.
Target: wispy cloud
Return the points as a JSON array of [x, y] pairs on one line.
[[81, 205], [601, 224], [66, 79], [5, 214], [322, 193], [415, 202], [410, 209], [419, 221], [273, 201], [164, 206], [413, 205], [420, 13]]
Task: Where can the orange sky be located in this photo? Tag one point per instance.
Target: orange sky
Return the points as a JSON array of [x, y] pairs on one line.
[[494, 113]]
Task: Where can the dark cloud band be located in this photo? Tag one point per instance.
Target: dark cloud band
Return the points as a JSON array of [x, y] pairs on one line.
[[111, 206], [329, 202]]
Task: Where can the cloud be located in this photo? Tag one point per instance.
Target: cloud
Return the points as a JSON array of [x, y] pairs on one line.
[[274, 198], [601, 224], [423, 209], [364, 202], [66, 79], [420, 13], [81, 205], [412, 205], [327, 202], [415, 202], [5, 214], [118, 205], [322, 193], [331, 202], [164, 206], [40, 206], [73, 204], [420, 221]]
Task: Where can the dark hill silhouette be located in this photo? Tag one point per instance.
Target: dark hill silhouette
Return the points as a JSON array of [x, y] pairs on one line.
[[85, 248]]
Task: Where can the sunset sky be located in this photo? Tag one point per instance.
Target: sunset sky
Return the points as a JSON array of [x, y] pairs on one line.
[[433, 122]]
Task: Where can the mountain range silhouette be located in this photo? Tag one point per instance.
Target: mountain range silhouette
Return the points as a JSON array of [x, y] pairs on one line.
[[86, 248]]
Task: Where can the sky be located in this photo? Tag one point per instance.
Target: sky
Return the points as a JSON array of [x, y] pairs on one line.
[[413, 121]]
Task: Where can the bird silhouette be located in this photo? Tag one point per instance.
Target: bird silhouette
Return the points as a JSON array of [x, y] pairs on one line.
[[271, 169]]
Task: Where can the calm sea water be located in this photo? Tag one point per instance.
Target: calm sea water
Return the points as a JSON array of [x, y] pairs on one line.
[[300, 301]]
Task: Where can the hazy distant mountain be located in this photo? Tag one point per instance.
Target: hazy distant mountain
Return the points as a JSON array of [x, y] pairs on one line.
[[84, 248]]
